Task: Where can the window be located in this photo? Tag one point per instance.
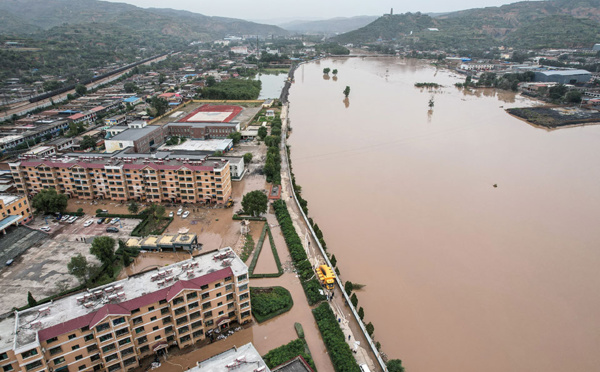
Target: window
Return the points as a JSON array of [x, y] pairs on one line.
[[230, 305], [78, 357], [111, 357], [245, 304], [137, 320], [104, 326], [153, 319], [183, 329], [144, 349], [242, 277], [129, 361], [75, 347], [142, 340], [162, 302], [198, 333], [192, 295], [155, 328], [92, 347], [7, 368], [59, 360], [89, 337], [121, 332], [108, 348], [105, 337], [217, 285], [125, 341], [62, 369], [185, 339], [164, 310], [229, 297], [157, 337], [139, 330], [194, 315], [29, 353], [151, 308], [228, 278], [72, 336], [243, 287], [181, 310], [218, 294], [49, 341], [197, 324], [33, 365], [82, 367], [127, 351], [118, 321], [204, 287], [85, 329], [208, 323], [219, 304], [229, 287], [245, 314], [115, 367], [182, 320], [167, 320], [206, 305], [193, 306], [55, 350], [178, 300], [205, 295], [244, 296]]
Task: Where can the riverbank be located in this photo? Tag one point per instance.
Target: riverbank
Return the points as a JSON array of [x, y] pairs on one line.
[[555, 117]]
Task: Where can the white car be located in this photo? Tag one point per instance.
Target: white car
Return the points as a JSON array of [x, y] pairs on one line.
[[88, 223], [171, 214], [72, 219], [115, 220], [187, 213], [179, 211], [45, 228], [65, 218]]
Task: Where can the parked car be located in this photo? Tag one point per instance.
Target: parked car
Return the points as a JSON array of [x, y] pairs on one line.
[[72, 219], [112, 229], [65, 218], [9, 262], [105, 211], [45, 228], [179, 211], [185, 214], [171, 214], [100, 220], [115, 220], [107, 220], [88, 223]]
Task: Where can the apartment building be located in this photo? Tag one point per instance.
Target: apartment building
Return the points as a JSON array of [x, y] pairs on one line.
[[161, 179], [14, 210], [110, 328]]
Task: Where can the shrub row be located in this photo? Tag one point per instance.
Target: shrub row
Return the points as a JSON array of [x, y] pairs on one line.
[[267, 303], [249, 218], [259, 247], [247, 248], [287, 352], [335, 341], [307, 276]]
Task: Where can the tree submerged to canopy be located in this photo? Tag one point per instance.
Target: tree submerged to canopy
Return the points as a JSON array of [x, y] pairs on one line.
[[347, 91]]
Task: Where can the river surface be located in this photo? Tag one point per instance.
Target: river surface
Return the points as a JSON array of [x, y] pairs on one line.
[[460, 275], [272, 84]]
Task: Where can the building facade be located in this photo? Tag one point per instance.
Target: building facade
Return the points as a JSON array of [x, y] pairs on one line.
[[122, 178], [14, 210], [110, 328]]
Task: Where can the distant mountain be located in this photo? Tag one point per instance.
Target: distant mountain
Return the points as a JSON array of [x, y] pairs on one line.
[[329, 26], [528, 24], [45, 14]]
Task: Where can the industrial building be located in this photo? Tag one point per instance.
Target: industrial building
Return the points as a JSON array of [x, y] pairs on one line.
[[110, 328], [563, 76]]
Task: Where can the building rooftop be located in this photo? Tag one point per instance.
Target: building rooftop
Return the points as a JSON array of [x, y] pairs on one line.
[[9, 199], [203, 124], [565, 72], [211, 145], [298, 364], [240, 359], [132, 134], [90, 307]]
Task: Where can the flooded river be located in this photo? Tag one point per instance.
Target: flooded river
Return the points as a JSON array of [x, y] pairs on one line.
[[475, 234]]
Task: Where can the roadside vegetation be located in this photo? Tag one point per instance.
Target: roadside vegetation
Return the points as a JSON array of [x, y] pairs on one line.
[[270, 302], [256, 256], [335, 341]]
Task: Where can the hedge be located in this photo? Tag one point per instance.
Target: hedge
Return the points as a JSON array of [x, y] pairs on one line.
[[249, 218], [269, 302], [259, 246], [287, 352], [304, 268], [339, 352]]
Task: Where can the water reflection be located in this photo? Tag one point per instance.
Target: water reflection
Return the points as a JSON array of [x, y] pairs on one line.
[[346, 102]]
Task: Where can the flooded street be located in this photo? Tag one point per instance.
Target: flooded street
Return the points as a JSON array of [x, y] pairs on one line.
[[473, 231]]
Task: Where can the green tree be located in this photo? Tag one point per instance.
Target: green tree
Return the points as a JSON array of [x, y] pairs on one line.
[[348, 287], [210, 81], [335, 71], [161, 78], [573, 96], [126, 259], [99, 210], [79, 267], [133, 207], [130, 87], [87, 142], [103, 248], [361, 313], [247, 158], [160, 105], [326, 70], [255, 203], [370, 329], [394, 365], [354, 299], [30, 300], [347, 91], [80, 89], [262, 132], [49, 201], [236, 137], [557, 92], [79, 210], [333, 260]]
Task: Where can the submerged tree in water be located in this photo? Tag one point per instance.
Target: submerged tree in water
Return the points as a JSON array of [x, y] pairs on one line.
[[347, 91], [431, 102]]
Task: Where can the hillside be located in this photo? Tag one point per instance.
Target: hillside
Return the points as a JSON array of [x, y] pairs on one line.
[[530, 24], [329, 26]]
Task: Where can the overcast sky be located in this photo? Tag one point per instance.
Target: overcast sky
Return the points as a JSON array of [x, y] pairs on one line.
[[310, 9]]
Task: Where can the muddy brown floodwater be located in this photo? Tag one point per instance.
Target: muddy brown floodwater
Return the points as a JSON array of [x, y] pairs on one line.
[[460, 275]]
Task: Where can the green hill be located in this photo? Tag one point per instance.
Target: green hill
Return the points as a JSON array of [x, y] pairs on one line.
[[523, 24]]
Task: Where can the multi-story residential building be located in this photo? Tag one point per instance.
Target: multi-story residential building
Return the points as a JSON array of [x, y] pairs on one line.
[[181, 179], [14, 210], [110, 328]]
